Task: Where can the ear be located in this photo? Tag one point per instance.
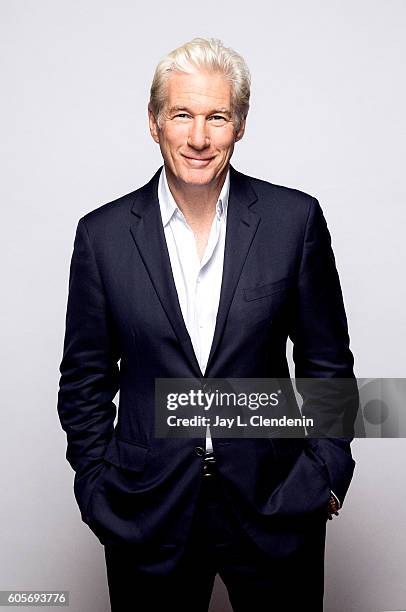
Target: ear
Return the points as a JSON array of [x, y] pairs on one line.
[[153, 125], [241, 131]]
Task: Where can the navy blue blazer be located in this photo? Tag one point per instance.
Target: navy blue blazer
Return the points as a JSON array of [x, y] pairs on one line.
[[124, 328]]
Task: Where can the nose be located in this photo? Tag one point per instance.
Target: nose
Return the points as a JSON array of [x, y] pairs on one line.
[[198, 134]]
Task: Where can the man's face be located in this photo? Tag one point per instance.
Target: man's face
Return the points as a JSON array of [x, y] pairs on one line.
[[197, 132]]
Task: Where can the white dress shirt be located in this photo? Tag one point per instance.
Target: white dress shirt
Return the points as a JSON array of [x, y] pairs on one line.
[[198, 283]]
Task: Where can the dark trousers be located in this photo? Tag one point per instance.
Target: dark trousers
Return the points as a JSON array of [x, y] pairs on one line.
[[256, 582]]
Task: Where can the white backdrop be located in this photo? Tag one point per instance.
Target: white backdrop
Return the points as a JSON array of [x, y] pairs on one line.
[[327, 116]]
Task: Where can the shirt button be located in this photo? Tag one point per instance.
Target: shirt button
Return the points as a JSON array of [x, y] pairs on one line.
[[199, 450]]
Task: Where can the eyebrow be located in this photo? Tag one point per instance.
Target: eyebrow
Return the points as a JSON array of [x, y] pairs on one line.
[[223, 111]]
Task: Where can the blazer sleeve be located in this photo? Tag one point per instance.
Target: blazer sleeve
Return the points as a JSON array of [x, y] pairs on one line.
[[89, 369], [320, 339]]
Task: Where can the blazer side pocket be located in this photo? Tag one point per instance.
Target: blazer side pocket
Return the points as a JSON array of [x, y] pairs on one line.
[[126, 454]]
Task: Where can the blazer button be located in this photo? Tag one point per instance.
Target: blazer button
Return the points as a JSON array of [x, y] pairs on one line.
[[199, 451]]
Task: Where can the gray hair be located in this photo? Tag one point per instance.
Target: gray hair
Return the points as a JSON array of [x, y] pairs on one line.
[[208, 54]]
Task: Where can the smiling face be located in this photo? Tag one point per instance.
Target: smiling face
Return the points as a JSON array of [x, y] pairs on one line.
[[197, 130]]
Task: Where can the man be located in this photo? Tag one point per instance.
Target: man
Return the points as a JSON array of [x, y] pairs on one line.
[[202, 273]]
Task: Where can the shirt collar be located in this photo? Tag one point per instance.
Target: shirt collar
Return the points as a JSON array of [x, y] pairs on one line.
[[168, 205]]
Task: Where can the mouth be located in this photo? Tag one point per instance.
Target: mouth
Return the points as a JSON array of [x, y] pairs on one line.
[[197, 162]]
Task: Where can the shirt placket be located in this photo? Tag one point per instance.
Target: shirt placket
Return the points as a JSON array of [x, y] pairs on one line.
[[203, 296]]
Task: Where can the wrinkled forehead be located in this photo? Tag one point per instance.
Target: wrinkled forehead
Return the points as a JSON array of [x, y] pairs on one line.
[[200, 91]]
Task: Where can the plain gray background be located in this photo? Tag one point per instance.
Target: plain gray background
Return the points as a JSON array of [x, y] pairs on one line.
[[327, 116]]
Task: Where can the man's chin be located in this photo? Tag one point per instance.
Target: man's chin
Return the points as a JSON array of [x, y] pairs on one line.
[[199, 176]]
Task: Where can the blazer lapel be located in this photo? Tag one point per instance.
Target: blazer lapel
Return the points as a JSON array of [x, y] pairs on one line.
[[147, 231], [242, 225]]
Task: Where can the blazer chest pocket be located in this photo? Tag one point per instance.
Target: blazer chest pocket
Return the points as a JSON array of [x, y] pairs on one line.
[[126, 454], [261, 291]]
